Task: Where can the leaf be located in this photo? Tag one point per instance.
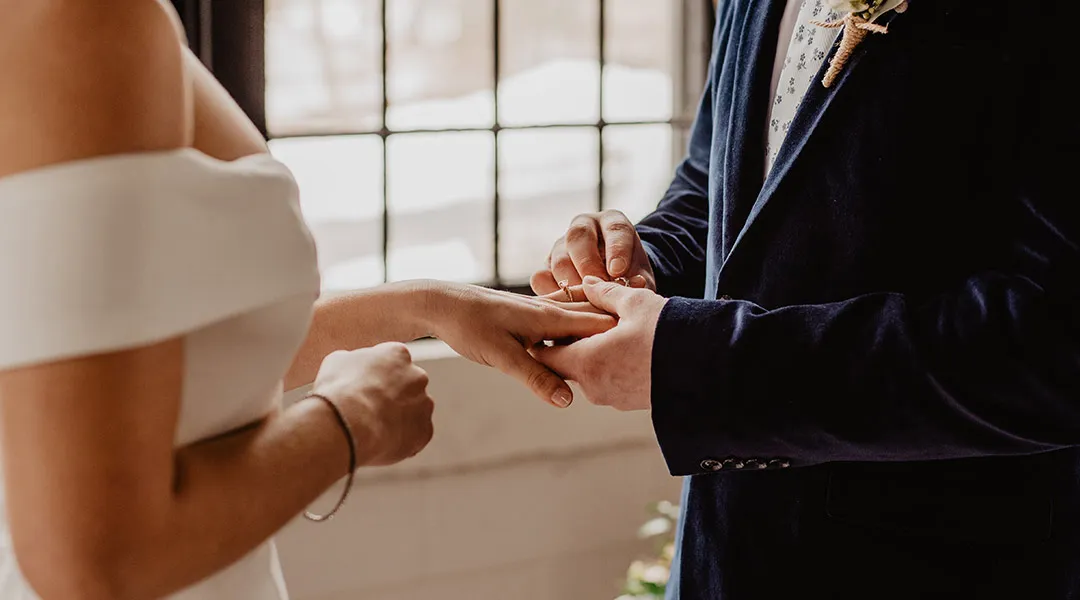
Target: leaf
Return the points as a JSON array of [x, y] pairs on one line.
[[657, 590]]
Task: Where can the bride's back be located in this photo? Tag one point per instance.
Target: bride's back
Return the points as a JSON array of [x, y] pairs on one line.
[[153, 297]]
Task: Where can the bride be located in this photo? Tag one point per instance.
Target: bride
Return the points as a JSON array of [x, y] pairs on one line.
[[159, 294]]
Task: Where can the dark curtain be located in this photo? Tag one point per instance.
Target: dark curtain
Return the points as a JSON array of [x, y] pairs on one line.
[[229, 37]]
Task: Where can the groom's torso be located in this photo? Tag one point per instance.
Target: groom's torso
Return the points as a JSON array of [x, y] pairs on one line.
[[889, 181], [896, 179]]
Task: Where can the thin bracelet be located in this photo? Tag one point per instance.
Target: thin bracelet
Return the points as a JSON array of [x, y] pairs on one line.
[[352, 461]]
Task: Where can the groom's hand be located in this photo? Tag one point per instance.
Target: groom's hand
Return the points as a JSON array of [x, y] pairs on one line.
[[613, 368], [603, 245], [497, 329]]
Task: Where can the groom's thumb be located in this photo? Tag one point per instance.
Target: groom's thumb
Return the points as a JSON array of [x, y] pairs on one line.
[[607, 296]]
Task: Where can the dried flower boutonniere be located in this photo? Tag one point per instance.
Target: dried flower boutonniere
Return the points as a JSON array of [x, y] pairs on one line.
[[858, 22]]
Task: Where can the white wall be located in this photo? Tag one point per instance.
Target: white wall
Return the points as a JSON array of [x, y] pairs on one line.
[[513, 499]]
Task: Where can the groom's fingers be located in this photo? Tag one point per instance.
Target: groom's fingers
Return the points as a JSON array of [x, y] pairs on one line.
[[609, 296], [620, 241], [583, 246], [543, 382], [639, 281], [543, 282], [562, 266]]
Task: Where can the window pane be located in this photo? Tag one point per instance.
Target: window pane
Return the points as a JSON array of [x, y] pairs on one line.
[[323, 66], [340, 181], [638, 167], [550, 62], [442, 210], [639, 58], [441, 64], [547, 177]]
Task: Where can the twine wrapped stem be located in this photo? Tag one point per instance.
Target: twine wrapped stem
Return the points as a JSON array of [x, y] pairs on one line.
[[856, 28]]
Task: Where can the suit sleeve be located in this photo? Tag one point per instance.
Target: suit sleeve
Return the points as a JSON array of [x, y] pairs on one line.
[[988, 367], [675, 235]]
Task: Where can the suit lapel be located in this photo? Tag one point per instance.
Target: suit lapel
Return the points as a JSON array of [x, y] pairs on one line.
[[813, 108], [745, 152]]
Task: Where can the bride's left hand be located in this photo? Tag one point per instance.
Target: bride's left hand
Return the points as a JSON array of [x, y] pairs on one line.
[[497, 329]]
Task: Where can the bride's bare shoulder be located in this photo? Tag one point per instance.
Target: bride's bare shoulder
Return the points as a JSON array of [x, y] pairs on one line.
[[78, 80]]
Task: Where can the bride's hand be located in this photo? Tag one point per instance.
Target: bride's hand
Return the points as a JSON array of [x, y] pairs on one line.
[[497, 329], [384, 396], [575, 293]]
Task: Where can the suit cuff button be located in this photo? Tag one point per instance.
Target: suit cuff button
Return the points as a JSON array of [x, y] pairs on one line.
[[755, 463], [734, 463], [711, 465], [779, 463]]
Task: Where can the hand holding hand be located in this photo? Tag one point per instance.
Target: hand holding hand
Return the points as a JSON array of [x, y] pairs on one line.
[[497, 329], [613, 368], [384, 397], [603, 245]]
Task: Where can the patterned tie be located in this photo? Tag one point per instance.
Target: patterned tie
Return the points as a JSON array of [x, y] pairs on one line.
[[809, 47]]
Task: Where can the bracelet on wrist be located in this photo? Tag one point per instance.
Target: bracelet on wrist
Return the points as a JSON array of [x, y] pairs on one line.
[[351, 439]]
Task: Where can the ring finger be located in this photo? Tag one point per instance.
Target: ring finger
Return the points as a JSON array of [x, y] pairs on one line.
[[576, 293]]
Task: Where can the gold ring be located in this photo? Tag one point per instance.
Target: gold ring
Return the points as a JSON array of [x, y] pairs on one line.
[[565, 287], [622, 281]]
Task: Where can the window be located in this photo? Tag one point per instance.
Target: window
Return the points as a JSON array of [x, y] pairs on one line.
[[455, 139]]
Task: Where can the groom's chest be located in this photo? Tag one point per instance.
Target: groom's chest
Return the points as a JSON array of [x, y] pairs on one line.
[[880, 169]]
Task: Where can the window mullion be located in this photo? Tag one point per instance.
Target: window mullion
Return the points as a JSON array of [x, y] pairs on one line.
[[384, 133], [496, 41], [602, 59]]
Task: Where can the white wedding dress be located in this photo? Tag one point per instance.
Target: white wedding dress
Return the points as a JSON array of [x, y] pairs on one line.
[[119, 252]]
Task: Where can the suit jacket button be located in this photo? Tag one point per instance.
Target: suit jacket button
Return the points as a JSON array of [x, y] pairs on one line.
[[711, 465], [753, 463], [733, 463], [779, 463], [725, 298]]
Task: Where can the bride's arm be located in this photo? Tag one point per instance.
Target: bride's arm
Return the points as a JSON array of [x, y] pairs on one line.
[[491, 328], [100, 504]]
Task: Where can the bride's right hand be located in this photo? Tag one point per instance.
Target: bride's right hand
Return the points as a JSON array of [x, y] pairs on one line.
[[383, 395]]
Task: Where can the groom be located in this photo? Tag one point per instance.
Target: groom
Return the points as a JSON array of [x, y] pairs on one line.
[[867, 352]]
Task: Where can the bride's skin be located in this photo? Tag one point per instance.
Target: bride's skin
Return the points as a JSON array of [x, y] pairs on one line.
[[100, 504]]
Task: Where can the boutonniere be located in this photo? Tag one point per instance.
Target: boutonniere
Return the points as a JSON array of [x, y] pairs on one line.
[[858, 22]]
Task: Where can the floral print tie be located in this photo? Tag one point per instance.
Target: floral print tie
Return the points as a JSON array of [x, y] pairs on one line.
[[809, 47]]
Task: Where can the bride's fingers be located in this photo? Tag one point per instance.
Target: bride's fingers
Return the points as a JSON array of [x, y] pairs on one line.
[[568, 295], [578, 292], [549, 387], [564, 322], [563, 296], [582, 307]]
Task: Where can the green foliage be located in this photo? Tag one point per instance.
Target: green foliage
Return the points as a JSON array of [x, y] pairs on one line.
[[647, 579]]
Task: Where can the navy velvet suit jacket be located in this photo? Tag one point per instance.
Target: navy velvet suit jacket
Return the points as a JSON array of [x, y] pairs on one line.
[[871, 367]]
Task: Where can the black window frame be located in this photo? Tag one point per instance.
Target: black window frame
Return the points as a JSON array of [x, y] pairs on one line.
[[229, 36]]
